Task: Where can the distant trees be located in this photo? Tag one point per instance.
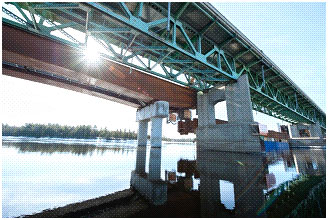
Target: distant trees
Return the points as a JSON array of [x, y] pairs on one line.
[[64, 131]]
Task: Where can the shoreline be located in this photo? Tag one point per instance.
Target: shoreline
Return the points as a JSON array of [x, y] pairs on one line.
[[80, 209], [128, 203], [45, 140]]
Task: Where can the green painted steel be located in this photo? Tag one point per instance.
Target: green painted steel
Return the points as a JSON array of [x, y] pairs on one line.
[[188, 43]]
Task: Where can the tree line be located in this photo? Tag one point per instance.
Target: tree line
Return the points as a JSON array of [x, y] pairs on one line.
[[64, 131]]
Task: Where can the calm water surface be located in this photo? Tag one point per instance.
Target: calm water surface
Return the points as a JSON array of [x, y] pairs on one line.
[[39, 174]]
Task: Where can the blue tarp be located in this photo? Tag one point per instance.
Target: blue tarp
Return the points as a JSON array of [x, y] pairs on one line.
[[275, 146]]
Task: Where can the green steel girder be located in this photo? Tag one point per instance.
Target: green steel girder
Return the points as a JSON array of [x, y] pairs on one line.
[[176, 48], [292, 111], [51, 5], [267, 111], [181, 10], [242, 53], [144, 27]]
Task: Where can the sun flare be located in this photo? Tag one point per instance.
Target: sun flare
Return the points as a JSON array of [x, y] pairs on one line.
[[91, 52]]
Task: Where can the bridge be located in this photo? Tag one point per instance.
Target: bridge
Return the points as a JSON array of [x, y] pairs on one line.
[[160, 58], [188, 44]]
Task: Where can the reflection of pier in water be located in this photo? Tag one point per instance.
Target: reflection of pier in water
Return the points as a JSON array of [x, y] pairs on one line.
[[75, 149], [247, 174], [245, 171], [312, 162]]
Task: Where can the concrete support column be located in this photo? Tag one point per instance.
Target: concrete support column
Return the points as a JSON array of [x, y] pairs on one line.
[[155, 163], [142, 146], [156, 132], [293, 131], [315, 130], [237, 134], [142, 133], [155, 150], [206, 106], [151, 186], [205, 110], [238, 98]]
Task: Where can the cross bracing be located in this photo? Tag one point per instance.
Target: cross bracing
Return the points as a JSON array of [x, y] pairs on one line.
[[187, 43]]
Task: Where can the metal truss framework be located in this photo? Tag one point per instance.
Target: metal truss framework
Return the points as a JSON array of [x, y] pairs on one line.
[[186, 43]]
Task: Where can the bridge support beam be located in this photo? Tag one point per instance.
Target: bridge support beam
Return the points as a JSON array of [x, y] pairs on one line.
[[150, 185], [237, 134]]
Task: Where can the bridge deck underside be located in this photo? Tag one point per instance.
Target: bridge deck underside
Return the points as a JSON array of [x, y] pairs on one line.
[[39, 59], [187, 43]]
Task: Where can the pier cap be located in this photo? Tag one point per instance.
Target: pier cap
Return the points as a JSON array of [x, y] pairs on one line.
[[159, 109]]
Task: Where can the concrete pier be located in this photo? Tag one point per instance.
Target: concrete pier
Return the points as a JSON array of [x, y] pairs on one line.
[[150, 184], [313, 129], [156, 132], [302, 135], [142, 146], [237, 134], [205, 106], [155, 163], [238, 98], [316, 131]]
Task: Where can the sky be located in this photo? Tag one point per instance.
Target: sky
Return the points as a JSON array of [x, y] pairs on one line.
[[292, 35]]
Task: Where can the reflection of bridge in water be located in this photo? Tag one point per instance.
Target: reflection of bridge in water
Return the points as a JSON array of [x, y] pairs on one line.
[[310, 162]]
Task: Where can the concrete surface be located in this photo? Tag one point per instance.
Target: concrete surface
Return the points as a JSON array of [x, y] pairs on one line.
[[154, 191]]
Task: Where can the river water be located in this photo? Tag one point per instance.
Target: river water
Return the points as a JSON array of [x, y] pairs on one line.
[[40, 174]]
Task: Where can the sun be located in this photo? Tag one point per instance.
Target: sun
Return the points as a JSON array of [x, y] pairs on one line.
[[92, 52]]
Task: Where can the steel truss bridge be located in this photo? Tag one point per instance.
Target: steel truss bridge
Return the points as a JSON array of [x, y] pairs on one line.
[[190, 44]]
